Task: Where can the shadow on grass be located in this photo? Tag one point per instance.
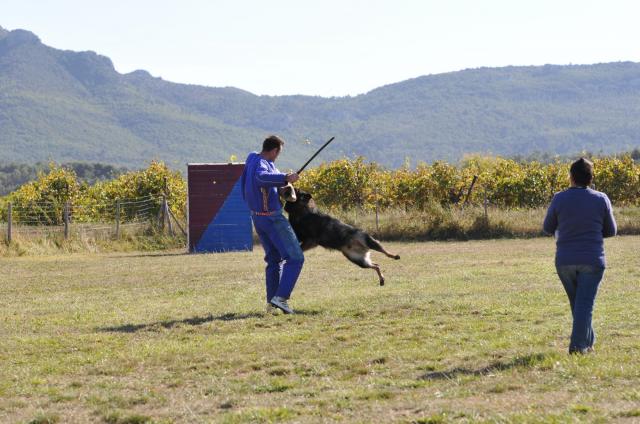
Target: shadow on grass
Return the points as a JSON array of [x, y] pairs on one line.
[[150, 255], [527, 361], [132, 328]]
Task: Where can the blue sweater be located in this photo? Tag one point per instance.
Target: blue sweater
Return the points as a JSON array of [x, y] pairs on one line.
[[580, 218], [260, 181]]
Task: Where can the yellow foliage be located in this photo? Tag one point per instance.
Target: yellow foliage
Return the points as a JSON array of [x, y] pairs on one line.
[[341, 184], [42, 201], [506, 183]]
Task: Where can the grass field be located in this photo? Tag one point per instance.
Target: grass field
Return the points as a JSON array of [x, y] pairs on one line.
[[462, 332]]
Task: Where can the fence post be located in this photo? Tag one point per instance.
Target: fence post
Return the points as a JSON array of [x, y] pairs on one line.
[[486, 214], [66, 220], [161, 218], [176, 221], [117, 218], [375, 190], [9, 222], [167, 217]]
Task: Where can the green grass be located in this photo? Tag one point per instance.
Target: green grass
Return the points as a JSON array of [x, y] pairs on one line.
[[462, 332]]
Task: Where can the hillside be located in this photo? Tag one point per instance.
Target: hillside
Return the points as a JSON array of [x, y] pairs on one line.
[[13, 175], [74, 106]]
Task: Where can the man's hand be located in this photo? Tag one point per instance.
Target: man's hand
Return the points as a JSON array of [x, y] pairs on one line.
[[292, 178]]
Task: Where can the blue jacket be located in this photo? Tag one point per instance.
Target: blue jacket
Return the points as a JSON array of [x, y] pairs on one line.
[[260, 181], [580, 218]]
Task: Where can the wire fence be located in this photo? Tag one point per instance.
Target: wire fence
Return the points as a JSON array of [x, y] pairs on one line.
[[110, 218]]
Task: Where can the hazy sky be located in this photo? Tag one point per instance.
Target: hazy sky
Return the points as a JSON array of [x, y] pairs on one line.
[[329, 47]]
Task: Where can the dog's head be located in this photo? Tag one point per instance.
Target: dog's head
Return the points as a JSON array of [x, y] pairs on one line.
[[301, 202]]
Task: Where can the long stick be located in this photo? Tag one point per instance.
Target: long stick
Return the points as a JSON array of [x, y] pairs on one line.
[[315, 154]]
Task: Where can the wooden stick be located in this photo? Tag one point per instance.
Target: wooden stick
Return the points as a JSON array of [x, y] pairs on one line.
[[314, 155]]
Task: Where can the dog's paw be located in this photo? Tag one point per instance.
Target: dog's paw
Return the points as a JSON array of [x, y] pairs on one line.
[[396, 257], [382, 282]]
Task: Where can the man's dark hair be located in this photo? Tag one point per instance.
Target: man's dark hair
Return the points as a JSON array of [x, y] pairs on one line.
[[272, 142], [582, 172]]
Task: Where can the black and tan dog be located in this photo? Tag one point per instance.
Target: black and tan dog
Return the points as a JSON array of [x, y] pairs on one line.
[[314, 228]]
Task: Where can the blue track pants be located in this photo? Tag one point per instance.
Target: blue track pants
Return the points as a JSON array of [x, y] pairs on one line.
[[283, 254]]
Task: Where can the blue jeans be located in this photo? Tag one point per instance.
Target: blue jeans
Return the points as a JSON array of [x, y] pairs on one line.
[[581, 284], [282, 253]]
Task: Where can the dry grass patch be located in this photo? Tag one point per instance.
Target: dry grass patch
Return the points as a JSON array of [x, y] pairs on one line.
[[463, 332]]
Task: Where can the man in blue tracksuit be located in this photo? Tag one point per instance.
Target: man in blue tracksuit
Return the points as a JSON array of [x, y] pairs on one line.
[[283, 255]]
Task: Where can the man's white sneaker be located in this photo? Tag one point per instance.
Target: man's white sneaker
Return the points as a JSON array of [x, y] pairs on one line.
[[281, 303]]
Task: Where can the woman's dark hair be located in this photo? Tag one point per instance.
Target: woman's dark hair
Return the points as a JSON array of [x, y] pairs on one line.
[[272, 142], [582, 172]]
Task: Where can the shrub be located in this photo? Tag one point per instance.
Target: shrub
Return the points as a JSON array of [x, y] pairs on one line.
[[43, 200]]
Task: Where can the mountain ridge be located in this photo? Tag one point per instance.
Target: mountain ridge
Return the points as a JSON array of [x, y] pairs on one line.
[[74, 106]]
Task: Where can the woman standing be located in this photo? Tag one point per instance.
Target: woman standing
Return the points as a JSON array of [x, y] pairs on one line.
[[580, 218]]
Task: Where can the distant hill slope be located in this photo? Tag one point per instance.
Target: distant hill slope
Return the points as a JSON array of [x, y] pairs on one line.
[[74, 106], [13, 175]]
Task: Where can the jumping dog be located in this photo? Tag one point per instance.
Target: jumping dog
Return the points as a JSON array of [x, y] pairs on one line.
[[314, 228]]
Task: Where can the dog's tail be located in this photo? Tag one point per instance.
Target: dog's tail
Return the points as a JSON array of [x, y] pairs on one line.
[[375, 245]]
